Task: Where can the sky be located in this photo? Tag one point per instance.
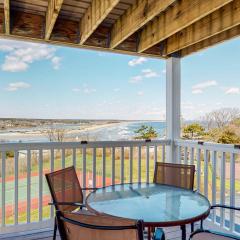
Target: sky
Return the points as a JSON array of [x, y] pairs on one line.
[[45, 81]]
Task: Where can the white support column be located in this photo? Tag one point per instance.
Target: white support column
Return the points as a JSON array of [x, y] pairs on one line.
[[173, 102]]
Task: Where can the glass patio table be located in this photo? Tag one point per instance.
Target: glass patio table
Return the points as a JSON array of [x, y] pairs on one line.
[[157, 205]]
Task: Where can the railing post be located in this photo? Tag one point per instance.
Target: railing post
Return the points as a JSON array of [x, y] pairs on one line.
[[173, 103]]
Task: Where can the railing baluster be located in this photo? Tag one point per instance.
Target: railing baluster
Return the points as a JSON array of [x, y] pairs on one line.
[[122, 164], [40, 173], [222, 183], [139, 163], [179, 154], [214, 176], [192, 155], [52, 169], [147, 164], [131, 165], [28, 186], [63, 157], [156, 155], [232, 191], [94, 168], [206, 173], [113, 165], [74, 157], [3, 186], [163, 153], [199, 169], [104, 167], [185, 155], [16, 156], [84, 153]]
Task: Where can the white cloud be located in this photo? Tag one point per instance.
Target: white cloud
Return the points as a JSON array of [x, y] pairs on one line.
[[116, 89], [232, 90], [89, 90], [149, 73], [76, 89], [200, 87], [56, 62], [137, 61], [19, 55], [140, 93], [136, 79], [17, 85]]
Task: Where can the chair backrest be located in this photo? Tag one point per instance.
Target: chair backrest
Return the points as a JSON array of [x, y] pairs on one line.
[[179, 175], [78, 226], [65, 187]]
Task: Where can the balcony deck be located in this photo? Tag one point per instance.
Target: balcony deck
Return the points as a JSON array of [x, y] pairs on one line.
[[172, 233]]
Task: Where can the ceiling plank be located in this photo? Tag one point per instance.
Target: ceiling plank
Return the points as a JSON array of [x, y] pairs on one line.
[[216, 39], [94, 16], [176, 18], [219, 21], [7, 16], [136, 17], [54, 7]]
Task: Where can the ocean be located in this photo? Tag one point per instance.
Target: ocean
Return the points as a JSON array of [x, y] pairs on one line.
[[120, 131]]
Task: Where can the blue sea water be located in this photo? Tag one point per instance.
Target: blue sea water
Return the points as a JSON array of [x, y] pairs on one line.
[[125, 131]]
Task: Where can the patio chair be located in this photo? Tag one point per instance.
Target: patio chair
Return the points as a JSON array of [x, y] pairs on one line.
[[178, 175], [78, 226], [66, 192], [202, 234]]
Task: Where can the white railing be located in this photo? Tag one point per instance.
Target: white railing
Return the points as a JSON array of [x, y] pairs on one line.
[[217, 176], [24, 192]]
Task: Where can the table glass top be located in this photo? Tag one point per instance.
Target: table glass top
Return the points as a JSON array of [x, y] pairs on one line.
[[149, 202]]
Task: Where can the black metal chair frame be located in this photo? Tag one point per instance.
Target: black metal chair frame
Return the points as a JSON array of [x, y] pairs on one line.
[[60, 219], [201, 230], [56, 204]]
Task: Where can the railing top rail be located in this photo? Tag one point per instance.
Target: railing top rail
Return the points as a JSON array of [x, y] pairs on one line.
[[208, 145], [90, 144]]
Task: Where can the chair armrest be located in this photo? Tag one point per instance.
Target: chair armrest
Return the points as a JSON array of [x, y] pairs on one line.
[[225, 206], [67, 204], [92, 189]]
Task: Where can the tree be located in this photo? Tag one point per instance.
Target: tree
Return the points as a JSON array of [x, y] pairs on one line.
[[221, 117], [193, 130], [55, 134], [228, 136], [145, 132]]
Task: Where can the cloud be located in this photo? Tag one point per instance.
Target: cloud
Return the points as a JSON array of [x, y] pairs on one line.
[[116, 89], [136, 79], [19, 55], [200, 87], [85, 90], [76, 89], [17, 85], [56, 62], [140, 93], [89, 90], [232, 90], [149, 73], [137, 61]]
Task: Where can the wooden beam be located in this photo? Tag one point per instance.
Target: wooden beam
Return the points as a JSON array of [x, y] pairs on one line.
[[216, 39], [95, 14], [219, 21], [135, 18], [54, 7], [7, 16], [181, 15]]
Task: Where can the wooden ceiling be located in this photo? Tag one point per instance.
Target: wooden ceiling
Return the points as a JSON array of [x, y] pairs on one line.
[[158, 28]]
